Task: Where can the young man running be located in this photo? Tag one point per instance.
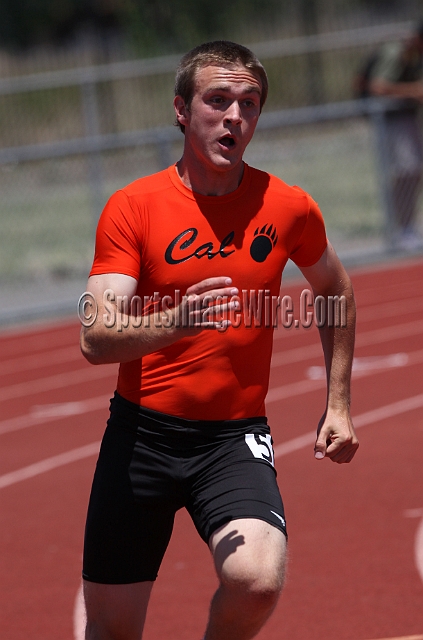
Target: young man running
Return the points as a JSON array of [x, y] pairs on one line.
[[176, 255]]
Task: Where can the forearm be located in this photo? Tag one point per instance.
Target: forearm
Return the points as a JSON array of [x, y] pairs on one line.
[[338, 348], [336, 436], [115, 331], [129, 340]]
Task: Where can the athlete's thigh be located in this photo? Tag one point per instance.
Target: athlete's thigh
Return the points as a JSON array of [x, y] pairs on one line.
[[236, 479], [248, 550], [116, 610], [130, 513], [237, 507]]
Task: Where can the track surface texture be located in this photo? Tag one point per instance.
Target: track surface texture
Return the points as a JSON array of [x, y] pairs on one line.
[[355, 531]]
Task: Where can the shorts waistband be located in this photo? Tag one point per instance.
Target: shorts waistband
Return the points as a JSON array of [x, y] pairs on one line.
[[137, 418]]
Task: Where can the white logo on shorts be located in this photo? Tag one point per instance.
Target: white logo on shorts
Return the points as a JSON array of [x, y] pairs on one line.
[[261, 446], [280, 518]]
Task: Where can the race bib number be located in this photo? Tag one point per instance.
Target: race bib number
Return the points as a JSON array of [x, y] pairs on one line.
[[261, 446]]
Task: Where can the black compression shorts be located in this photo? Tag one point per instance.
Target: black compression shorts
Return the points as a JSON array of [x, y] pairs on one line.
[[152, 464]]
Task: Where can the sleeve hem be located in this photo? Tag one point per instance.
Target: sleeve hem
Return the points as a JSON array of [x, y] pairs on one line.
[[310, 264], [100, 272]]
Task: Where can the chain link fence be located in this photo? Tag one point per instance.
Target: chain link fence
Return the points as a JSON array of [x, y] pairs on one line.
[[69, 138]]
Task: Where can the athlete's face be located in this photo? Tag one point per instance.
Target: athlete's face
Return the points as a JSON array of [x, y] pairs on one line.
[[222, 116]]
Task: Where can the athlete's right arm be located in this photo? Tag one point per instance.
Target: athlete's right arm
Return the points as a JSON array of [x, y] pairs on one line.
[[112, 330]]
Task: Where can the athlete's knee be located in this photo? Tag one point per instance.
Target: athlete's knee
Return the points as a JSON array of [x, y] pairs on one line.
[[252, 602], [260, 596], [251, 572], [253, 584]]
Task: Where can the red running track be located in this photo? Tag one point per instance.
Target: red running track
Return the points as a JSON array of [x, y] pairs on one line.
[[356, 531]]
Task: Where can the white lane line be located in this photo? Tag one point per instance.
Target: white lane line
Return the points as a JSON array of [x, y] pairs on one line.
[[418, 541], [40, 414], [398, 638], [58, 381], [30, 341], [362, 420], [48, 464], [44, 359], [293, 389], [391, 291], [393, 332], [305, 386], [418, 549], [413, 513], [375, 312], [367, 338], [58, 409], [367, 364], [396, 308], [363, 339]]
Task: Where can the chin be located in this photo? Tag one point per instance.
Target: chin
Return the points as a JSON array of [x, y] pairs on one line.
[[226, 163]]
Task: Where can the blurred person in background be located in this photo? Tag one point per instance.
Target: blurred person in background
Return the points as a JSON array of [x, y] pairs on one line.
[[397, 73]]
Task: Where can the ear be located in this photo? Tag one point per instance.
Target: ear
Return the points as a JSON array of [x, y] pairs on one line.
[[181, 110]]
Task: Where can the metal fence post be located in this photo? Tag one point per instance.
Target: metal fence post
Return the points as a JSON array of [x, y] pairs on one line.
[[96, 178], [377, 116]]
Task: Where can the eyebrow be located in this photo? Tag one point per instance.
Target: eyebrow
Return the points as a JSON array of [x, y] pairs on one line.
[[227, 88]]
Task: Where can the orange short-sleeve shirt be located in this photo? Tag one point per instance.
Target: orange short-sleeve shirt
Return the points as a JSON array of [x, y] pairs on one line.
[[168, 238]]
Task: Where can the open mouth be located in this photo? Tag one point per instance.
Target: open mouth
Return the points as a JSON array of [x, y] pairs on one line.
[[227, 142]]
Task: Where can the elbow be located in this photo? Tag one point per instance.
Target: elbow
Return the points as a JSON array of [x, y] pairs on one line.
[[92, 357], [90, 350]]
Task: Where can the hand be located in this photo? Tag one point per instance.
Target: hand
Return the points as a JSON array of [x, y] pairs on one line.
[[207, 305], [336, 438]]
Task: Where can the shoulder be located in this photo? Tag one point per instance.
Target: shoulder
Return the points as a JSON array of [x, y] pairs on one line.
[[151, 184], [135, 196], [276, 188]]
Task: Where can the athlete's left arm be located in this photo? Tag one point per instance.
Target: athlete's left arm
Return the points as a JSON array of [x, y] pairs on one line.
[[336, 438]]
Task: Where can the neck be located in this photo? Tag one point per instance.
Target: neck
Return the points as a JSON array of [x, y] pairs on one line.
[[209, 182]]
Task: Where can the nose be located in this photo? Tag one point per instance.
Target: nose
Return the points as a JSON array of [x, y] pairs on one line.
[[233, 113]]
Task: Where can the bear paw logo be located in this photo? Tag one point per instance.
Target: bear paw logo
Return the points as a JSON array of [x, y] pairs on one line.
[[263, 243]]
